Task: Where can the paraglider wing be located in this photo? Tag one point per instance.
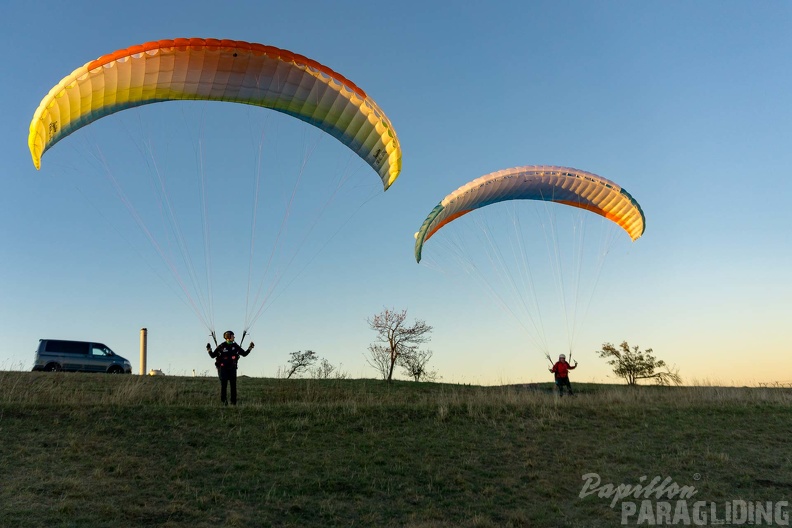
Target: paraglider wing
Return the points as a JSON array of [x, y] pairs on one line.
[[557, 184], [219, 70]]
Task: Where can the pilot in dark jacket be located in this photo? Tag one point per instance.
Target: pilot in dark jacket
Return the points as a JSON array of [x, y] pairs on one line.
[[226, 357]]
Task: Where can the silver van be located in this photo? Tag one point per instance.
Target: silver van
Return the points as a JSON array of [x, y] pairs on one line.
[[78, 356]]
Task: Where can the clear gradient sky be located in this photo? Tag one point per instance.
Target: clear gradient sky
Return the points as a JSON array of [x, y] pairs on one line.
[[687, 105]]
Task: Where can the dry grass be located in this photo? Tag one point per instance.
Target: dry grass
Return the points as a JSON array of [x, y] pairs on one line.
[[100, 450]]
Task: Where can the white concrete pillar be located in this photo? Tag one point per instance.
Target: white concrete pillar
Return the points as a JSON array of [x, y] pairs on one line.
[[143, 350]]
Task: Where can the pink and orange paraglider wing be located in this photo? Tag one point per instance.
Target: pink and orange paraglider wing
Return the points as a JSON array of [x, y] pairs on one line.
[[562, 185]]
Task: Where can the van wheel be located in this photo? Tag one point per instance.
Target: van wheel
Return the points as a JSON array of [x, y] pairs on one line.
[[115, 370], [52, 367]]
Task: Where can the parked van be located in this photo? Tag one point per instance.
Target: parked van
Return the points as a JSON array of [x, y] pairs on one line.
[[79, 356]]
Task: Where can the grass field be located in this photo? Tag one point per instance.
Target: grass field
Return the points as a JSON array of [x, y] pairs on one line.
[[89, 450]]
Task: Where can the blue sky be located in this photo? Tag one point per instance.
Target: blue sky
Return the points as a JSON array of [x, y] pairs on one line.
[[684, 104]]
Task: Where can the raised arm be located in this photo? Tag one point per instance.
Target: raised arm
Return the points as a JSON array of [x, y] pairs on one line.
[[244, 353]]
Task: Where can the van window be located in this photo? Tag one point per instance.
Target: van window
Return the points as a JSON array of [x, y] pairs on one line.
[[101, 350], [67, 347]]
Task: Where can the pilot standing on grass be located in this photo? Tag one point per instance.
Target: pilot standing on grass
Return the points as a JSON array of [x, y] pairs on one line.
[[226, 356], [561, 370]]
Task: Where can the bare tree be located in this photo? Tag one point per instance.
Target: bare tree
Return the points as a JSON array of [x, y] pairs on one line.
[[633, 365], [300, 362], [326, 370], [398, 339], [379, 358], [415, 365]]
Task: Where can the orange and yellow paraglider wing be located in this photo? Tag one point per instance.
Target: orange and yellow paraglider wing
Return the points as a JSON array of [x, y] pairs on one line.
[[219, 70]]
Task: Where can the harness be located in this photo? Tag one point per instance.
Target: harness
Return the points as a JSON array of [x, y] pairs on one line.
[[227, 358]]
